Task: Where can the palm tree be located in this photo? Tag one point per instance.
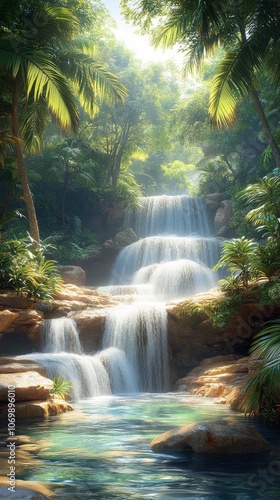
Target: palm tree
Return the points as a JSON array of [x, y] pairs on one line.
[[47, 72], [199, 28]]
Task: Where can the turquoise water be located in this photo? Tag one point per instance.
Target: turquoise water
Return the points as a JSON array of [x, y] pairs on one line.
[[102, 452]]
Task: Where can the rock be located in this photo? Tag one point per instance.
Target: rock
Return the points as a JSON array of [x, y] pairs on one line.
[[28, 386], [13, 300], [73, 275], [90, 324], [6, 318], [220, 436], [192, 336], [217, 197], [11, 365], [115, 218], [38, 408], [219, 377], [122, 239], [27, 322], [24, 490], [73, 298], [223, 215]]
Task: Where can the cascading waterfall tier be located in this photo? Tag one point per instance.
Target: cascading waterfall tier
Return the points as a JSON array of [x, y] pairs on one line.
[[60, 335], [105, 372], [140, 330], [159, 249], [86, 374], [176, 279], [179, 215]]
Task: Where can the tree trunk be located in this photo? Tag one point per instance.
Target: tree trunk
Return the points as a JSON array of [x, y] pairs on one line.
[[27, 195], [257, 103], [266, 127], [66, 182]]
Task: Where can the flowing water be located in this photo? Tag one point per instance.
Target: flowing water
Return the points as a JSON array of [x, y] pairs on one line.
[[121, 392], [102, 452]]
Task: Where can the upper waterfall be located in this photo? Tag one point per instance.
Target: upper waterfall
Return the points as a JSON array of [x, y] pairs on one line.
[[179, 215]]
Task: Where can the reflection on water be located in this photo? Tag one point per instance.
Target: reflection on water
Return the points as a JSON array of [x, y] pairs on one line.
[[102, 452]]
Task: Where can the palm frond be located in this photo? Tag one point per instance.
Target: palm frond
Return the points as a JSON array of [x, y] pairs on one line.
[[33, 123], [234, 77], [43, 78]]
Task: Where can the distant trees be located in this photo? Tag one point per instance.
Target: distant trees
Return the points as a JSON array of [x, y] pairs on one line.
[[249, 33]]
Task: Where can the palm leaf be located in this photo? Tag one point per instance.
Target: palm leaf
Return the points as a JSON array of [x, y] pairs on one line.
[[43, 78], [234, 77]]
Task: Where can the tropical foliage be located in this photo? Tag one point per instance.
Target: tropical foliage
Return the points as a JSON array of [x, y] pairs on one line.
[[26, 270], [262, 392], [61, 388]]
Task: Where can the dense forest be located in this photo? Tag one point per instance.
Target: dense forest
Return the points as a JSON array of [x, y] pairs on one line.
[[86, 126]]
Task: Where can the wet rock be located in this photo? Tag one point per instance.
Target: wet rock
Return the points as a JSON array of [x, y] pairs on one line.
[[11, 365], [220, 436], [122, 239]]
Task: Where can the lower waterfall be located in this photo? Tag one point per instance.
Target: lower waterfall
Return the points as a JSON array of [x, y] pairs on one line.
[[140, 330], [133, 356]]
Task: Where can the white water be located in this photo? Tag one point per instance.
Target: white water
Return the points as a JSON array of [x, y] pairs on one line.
[[176, 279], [169, 262], [60, 335], [164, 214], [140, 330], [85, 373], [159, 249]]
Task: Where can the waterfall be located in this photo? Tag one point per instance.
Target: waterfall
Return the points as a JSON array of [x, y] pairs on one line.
[[60, 335], [173, 259], [157, 249], [105, 372], [176, 279], [86, 374], [140, 330], [178, 215]]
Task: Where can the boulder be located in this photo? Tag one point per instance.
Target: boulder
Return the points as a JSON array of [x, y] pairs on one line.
[[6, 318], [220, 436], [219, 377], [223, 215], [122, 239], [13, 300], [24, 490], [12, 365], [115, 217], [90, 324], [217, 197], [38, 408], [27, 322], [28, 385], [73, 275]]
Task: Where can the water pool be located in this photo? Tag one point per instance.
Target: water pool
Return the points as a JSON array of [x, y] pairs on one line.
[[101, 451]]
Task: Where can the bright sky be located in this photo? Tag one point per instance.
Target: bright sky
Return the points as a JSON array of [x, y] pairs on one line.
[[137, 43]]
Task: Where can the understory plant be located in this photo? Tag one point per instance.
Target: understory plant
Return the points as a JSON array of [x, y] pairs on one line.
[[262, 391], [26, 270], [61, 388], [77, 243], [237, 257]]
